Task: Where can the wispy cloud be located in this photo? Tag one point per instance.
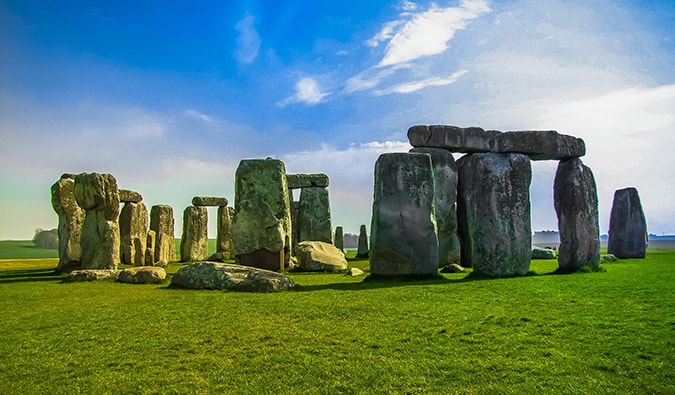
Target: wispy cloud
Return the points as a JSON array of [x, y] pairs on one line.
[[307, 91], [414, 86], [248, 41]]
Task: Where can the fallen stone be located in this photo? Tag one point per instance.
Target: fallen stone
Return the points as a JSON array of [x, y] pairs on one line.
[[314, 221], [604, 258], [627, 225], [403, 231], [194, 245], [575, 199], [162, 222], [539, 144], [362, 250], [216, 257], [542, 253], [453, 138], [317, 256], [91, 275], [71, 221], [493, 213], [129, 196], [224, 276], [296, 181], [142, 275], [209, 201], [355, 272], [452, 268]]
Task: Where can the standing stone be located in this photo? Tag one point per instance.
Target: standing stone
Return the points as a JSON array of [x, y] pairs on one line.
[[133, 233], [97, 194], [493, 213], [71, 220], [295, 225], [162, 222], [362, 249], [338, 240], [576, 204], [150, 248], [314, 216], [627, 226], [224, 243], [262, 215], [403, 230], [445, 177], [194, 244]]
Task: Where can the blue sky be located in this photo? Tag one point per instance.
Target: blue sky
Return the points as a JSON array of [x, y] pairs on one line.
[[169, 96]]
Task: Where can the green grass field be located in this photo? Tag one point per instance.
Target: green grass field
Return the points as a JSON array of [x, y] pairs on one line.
[[586, 333]]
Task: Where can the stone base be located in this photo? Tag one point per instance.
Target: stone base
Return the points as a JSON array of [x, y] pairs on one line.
[[263, 259]]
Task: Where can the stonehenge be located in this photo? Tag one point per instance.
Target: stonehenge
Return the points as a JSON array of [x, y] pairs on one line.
[[194, 240]]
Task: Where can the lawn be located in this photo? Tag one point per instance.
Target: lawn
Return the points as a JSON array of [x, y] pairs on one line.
[[608, 332]]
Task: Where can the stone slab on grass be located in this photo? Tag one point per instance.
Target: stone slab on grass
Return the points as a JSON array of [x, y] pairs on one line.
[[225, 276]]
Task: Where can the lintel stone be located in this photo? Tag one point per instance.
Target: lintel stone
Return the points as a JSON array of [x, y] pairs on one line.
[[296, 181], [209, 201]]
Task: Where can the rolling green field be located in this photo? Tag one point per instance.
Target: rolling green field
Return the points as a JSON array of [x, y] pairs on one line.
[[585, 333]]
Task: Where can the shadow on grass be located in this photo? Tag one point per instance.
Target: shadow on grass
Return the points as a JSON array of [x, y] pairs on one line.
[[29, 275], [379, 282]]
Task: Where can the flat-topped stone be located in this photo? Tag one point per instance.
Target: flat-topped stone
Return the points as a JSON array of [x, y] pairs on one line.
[[129, 196], [296, 181], [537, 144], [224, 276], [209, 201]]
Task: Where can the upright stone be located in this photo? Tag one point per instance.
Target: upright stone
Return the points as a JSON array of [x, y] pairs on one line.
[[403, 230], [362, 248], [314, 216], [150, 248], [627, 225], [194, 245], [133, 233], [339, 240], [445, 178], [576, 204], [97, 194], [493, 213], [71, 220], [295, 225], [262, 214], [162, 222], [224, 243]]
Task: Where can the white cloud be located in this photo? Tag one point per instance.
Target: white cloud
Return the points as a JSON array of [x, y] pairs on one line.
[[307, 91], [414, 86], [248, 41], [197, 115]]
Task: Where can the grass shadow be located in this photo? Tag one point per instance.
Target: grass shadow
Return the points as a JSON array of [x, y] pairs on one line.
[[29, 275]]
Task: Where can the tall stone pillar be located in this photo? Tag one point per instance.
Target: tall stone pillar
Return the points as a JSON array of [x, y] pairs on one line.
[[403, 230], [314, 215], [162, 222], [493, 213], [362, 250], [575, 198], [71, 221], [194, 245], [133, 233], [627, 225], [97, 194], [224, 243]]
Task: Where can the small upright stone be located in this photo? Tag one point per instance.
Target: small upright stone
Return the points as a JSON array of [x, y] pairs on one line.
[[97, 194], [224, 243], [133, 233], [575, 198], [194, 245], [162, 222], [209, 201], [71, 220], [362, 250], [403, 230], [627, 225], [339, 240], [493, 213]]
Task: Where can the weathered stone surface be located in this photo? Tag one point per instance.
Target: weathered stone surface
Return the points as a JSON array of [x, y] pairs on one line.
[[224, 238], [133, 233], [493, 213], [296, 181], [194, 245], [542, 253], [539, 144], [91, 275], [162, 222], [403, 230], [338, 239], [142, 275], [71, 221], [100, 241], [355, 272], [362, 250], [453, 138], [314, 220], [627, 225], [575, 199], [209, 201], [262, 214], [445, 178], [129, 196], [604, 258], [452, 268], [151, 238], [317, 256], [224, 276]]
